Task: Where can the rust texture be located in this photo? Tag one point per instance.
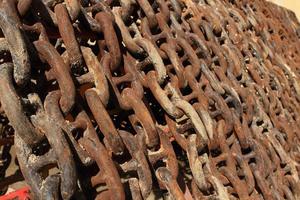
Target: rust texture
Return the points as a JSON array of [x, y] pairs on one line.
[[178, 99]]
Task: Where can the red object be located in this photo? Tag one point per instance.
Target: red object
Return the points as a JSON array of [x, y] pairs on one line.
[[21, 194]]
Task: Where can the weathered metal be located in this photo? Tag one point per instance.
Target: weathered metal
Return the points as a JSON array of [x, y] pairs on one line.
[[172, 98]]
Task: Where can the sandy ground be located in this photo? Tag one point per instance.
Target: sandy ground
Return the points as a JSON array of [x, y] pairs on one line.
[[293, 5]]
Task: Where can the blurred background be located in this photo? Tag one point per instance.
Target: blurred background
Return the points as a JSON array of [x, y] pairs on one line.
[[293, 5]]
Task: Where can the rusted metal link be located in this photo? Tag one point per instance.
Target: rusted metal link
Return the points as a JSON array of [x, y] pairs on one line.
[[16, 40], [14, 110]]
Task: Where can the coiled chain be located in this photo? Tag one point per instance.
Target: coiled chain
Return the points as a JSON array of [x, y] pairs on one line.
[[128, 99]]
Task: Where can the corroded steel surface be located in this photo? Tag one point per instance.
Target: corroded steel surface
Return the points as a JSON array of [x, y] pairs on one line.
[[187, 99]]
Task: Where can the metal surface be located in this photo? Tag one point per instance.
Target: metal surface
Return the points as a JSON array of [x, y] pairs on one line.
[[126, 99]]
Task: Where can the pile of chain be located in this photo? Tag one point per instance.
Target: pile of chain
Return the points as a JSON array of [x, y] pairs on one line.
[[180, 99]]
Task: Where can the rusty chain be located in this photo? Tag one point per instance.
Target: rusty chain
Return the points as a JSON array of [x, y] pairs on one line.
[[173, 98]]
